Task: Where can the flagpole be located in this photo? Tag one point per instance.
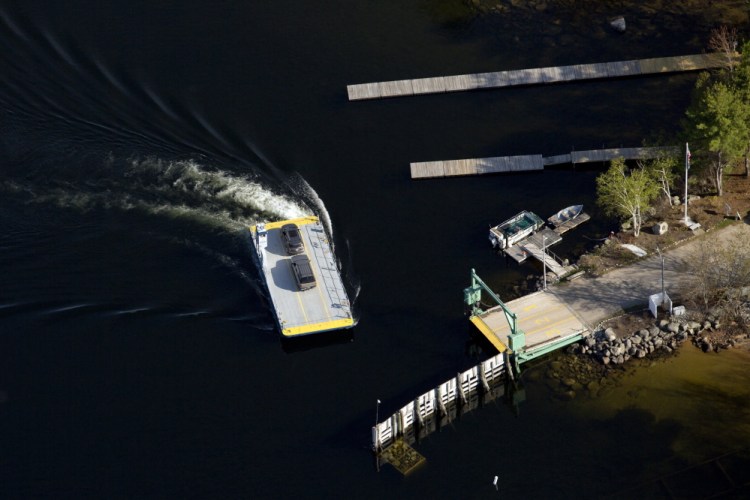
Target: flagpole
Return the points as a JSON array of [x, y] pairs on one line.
[[687, 167]]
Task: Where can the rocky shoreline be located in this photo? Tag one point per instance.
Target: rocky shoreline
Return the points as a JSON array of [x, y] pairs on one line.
[[595, 364], [606, 347]]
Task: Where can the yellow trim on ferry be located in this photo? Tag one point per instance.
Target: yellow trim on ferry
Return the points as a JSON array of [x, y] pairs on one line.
[[487, 332], [318, 327], [301, 221]]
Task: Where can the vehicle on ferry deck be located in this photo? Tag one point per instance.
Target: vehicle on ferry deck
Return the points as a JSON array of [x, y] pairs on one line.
[[292, 239], [303, 273]]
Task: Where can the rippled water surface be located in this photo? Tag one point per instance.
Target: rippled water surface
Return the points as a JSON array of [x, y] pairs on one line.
[[138, 356]]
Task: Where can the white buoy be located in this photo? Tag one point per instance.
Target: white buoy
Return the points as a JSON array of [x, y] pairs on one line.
[[494, 483]]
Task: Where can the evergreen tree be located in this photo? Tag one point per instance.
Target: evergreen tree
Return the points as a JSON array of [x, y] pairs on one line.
[[740, 81], [718, 122]]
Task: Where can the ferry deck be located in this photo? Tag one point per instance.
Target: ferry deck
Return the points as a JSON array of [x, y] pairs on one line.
[[323, 308]]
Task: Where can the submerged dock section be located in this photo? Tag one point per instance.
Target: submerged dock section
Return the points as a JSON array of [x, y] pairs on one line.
[[534, 76]]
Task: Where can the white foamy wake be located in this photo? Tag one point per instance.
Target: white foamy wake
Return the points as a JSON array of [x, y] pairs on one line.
[[311, 196], [178, 189], [215, 191]]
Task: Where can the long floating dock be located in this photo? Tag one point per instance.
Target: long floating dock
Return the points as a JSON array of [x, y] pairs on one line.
[[503, 164], [476, 166], [534, 76]]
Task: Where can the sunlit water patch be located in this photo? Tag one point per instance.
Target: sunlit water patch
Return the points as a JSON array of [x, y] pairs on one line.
[[706, 397]]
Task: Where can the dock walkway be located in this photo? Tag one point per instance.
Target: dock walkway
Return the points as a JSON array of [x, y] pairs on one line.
[[533, 76], [527, 163], [552, 265], [476, 166], [537, 245], [572, 223]]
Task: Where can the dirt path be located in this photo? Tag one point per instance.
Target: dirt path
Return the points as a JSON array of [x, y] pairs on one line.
[[597, 299]]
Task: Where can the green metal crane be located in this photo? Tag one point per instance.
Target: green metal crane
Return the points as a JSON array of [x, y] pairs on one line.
[[473, 298], [517, 338]]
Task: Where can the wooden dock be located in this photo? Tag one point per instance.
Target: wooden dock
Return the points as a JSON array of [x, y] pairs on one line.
[[572, 224], [544, 238], [602, 155], [534, 76], [476, 166], [504, 164], [552, 265], [537, 245]]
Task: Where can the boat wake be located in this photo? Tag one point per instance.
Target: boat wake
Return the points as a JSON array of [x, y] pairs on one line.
[[307, 193], [175, 189]]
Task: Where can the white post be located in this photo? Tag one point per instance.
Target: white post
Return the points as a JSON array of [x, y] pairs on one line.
[[663, 289], [544, 260], [687, 167]]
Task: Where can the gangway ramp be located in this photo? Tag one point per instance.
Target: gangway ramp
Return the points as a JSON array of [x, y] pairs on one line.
[[542, 316]]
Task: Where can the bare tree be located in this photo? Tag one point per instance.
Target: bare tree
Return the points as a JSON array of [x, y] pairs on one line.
[[716, 172], [724, 40], [716, 274]]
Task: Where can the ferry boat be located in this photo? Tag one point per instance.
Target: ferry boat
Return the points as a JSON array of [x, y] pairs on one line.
[[300, 271], [513, 230]]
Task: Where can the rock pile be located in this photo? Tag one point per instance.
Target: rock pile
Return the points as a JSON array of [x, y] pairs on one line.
[[594, 365], [663, 337]]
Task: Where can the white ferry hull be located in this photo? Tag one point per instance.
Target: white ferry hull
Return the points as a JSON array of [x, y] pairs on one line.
[[320, 309]]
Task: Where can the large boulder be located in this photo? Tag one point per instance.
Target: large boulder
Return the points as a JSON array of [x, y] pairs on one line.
[[660, 228], [610, 334], [618, 24]]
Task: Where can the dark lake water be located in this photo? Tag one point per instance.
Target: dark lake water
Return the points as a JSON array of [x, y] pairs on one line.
[[138, 357]]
